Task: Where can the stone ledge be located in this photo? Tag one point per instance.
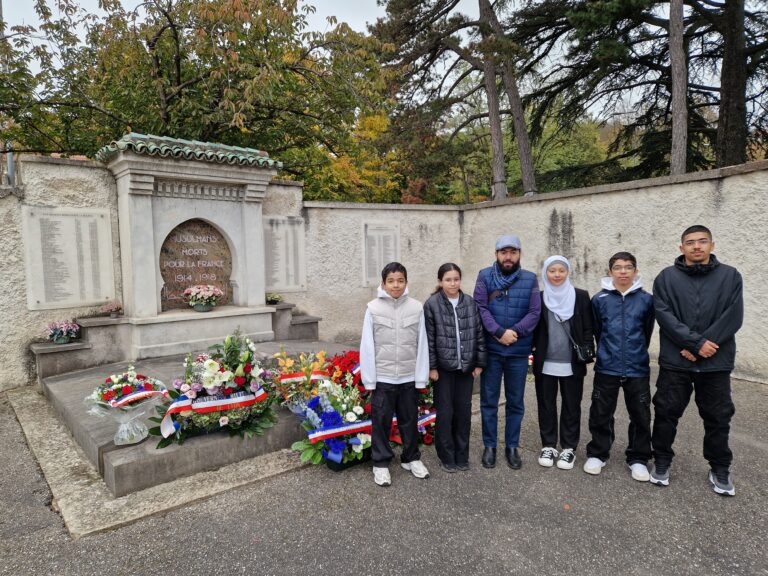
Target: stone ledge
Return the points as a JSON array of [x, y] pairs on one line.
[[305, 319], [51, 348], [92, 321], [190, 315]]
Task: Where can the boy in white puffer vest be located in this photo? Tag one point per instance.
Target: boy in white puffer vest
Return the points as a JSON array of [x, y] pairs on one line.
[[394, 363]]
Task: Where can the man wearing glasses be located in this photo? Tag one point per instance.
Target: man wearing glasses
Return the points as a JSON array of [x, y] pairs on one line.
[[623, 325], [699, 308]]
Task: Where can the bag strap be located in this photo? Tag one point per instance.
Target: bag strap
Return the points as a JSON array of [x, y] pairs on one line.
[[567, 332]]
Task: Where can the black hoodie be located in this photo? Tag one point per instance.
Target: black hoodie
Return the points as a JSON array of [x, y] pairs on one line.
[[694, 304]]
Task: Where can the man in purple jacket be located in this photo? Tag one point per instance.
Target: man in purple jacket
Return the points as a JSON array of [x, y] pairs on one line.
[[510, 305]]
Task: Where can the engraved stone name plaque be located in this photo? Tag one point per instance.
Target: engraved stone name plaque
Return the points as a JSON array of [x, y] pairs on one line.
[[284, 254], [382, 246], [194, 253], [68, 254]]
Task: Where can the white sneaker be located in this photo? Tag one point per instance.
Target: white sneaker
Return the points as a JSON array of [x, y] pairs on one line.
[[416, 468], [547, 457], [567, 459], [593, 466], [640, 472], [381, 476]]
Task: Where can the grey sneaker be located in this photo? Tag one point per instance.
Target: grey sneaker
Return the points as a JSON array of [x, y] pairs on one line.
[[721, 482], [660, 474]]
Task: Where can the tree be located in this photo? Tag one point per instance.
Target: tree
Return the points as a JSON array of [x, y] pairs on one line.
[[615, 58], [240, 72], [679, 76]]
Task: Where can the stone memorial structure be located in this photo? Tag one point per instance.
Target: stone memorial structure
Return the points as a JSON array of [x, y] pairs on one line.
[[190, 213]]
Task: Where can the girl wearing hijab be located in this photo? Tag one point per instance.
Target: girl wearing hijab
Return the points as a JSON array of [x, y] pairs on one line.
[[566, 318]]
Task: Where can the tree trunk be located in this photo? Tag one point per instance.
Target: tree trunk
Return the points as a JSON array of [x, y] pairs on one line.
[[732, 123], [499, 185], [516, 105], [679, 80]]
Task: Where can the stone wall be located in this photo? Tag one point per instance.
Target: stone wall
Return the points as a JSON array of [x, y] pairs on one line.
[[587, 225], [44, 182]]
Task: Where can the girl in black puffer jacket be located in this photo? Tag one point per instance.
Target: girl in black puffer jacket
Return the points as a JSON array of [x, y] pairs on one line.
[[456, 356]]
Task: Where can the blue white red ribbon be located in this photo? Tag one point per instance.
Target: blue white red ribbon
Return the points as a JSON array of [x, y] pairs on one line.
[[320, 434], [218, 403], [136, 397]]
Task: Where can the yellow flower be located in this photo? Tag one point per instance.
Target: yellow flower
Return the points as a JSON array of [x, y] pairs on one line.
[[321, 356], [288, 362]]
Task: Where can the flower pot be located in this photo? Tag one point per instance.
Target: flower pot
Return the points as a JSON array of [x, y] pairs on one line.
[[202, 307], [62, 340]]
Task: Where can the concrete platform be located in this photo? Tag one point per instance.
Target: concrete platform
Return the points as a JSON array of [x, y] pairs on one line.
[[127, 469]]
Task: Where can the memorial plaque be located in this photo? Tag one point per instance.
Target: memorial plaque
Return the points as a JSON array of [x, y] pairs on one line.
[[382, 246], [284, 254], [68, 257], [194, 253]]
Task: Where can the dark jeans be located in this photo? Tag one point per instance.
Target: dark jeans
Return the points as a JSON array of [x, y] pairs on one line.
[[386, 401], [514, 370], [637, 397], [571, 390], [713, 399], [453, 402]]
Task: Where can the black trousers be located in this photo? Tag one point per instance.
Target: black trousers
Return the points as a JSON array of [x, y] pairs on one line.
[[453, 402], [605, 396], [386, 401], [713, 399], [571, 390]]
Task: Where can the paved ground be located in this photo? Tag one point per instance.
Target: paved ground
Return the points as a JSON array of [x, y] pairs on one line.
[[532, 521]]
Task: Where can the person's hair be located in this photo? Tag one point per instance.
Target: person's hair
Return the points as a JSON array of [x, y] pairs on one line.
[[696, 228], [391, 268], [622, 256], [447, 267]]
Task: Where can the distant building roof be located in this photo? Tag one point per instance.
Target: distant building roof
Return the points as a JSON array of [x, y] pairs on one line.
[[149, 145]]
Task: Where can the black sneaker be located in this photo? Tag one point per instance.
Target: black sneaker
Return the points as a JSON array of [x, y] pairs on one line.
[[450, 468], [721, 482], [463, 467], [660, 474]]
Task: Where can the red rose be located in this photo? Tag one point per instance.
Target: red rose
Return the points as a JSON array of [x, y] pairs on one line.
[[239, 380], [227, 391], [148, 386], [140, 377], [108, 395], [126, 389], [428, 438], [247, 368], [108, 380], [367, 408], [222, 369], [423, 390]]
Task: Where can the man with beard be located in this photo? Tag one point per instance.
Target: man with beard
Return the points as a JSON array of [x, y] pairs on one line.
[[510, 305], [699, 308]]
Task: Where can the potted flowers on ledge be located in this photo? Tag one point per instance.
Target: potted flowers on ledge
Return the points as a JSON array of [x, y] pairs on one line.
[[126, 397], [62, 331], [223, 390], [202, 297]]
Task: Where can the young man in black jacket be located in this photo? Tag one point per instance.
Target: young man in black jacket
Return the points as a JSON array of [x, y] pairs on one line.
[[699, 308]]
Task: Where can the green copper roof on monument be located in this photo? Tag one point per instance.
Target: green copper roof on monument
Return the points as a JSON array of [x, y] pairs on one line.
[[149, 145]]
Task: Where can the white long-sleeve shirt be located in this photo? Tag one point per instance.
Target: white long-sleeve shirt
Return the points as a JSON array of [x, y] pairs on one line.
[[368, 354]]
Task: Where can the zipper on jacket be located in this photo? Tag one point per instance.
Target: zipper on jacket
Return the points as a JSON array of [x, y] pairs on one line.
[[623, 339]]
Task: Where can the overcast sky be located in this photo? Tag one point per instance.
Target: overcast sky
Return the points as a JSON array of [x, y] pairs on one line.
[[356, 13]]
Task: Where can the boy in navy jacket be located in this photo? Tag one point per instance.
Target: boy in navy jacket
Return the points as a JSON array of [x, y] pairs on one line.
[[623, 324]]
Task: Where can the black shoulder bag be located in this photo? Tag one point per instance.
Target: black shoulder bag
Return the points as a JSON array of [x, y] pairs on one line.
[[584, 354]]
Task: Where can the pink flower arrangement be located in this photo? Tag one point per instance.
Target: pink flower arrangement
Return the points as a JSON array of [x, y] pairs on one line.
[[202, 294]]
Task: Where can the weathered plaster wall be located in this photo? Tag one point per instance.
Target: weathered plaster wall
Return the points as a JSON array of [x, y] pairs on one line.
[[587, 225], [46, 182]]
